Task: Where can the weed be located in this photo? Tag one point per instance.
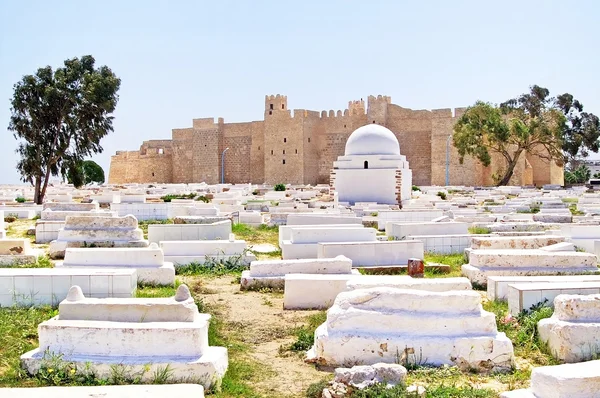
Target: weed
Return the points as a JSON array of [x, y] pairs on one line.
[[168, 198], [279, 187], [455, 261], [442, 195], [416, 188], [305, 335], [215, 266], [479, 230], [316, 389], [522, 330], [162, 375], [20, 199]]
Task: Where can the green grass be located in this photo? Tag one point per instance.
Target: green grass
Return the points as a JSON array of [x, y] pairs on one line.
[[479, 230], [143, 225], [455, 261], [18, 335], [439, 391], [40, 262], [257, 235], [149, 291], [522, 331], [570, 200], [305, 335]]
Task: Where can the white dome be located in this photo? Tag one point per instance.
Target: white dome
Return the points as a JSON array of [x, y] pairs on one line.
[[372, 139]]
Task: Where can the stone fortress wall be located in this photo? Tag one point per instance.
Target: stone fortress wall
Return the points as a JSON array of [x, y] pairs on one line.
[[300, 146]]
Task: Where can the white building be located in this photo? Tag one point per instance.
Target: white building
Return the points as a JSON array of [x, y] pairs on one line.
[[372, 169]]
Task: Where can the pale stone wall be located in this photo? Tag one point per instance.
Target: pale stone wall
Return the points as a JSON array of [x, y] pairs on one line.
[[309, 142]]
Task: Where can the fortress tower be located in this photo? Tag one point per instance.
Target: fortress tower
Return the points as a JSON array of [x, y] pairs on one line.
[[300, 147]]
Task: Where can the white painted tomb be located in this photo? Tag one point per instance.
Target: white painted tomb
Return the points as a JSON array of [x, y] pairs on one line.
[[136, 333], [148, 261], [522, 296], [517, 262], [385, 216], [497, 286], [164, 232], [16, 252], [314, 291], [304, 241], [49, 286], [271, 273], [573, 331], [514, 242], [372, 169], [406, 282], [399, 230], [368, 326], [124, 391], [97, 231], [581, 235], [285, 231], [373, 253], [200, 251], [577, 380], [322, 219]]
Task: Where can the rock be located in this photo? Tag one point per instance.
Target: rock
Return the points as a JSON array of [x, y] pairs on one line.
[[363, 376], [31, 231], [416, 391]]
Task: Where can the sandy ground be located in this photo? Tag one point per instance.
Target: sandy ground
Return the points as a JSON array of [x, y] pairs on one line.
[[265, 327]]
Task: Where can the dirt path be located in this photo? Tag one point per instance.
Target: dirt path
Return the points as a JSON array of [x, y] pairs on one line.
[[265, 327]]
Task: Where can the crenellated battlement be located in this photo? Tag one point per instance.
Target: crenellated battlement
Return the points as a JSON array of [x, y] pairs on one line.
[[380, 98], [297, 146]]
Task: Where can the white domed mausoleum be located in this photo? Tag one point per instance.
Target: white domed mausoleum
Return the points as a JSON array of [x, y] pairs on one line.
[[372, 169]]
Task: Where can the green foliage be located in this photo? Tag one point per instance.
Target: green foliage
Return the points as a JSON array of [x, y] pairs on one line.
[[214, 265], [305, 335], [10, 218], [479, 230], [442, 195], [580, 175], [315, 390], [54, 371], [84, 173], [415, 188], [18, 334], [438, 391], [574, 211], [20, 199], [59, 117], [522, 330], [535, 123], [279, 187], [168, 198]]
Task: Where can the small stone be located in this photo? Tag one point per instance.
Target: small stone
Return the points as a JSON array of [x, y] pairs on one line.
[[31, 231], [416, 390], [75, 294], [326, 393], [183, 293], [416, 267], [363, 376]]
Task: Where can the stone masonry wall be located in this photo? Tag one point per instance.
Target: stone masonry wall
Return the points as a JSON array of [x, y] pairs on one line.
[[300, 147]]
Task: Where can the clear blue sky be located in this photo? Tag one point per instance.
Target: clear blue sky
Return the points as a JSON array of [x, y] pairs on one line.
[[180, 60]]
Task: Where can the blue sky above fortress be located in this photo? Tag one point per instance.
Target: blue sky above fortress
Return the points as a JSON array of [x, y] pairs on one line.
[[181, 60]]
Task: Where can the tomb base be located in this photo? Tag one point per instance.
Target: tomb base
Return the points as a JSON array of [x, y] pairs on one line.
[[163, 275], [206, 370], [473, 352], [138, 391], [480, 274], [570, 341]]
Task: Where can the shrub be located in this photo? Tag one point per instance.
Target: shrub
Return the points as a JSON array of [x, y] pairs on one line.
[[479, 230], [20, 199], [279, 187], [415, 188], [168, 198], [442, 195]]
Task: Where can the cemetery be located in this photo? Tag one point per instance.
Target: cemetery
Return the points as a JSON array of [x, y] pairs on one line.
[[319, 289], [372, 252]]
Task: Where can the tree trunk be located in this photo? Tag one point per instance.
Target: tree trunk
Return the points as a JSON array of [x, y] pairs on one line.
[[36, 194], [510, 169], [46, 180]]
